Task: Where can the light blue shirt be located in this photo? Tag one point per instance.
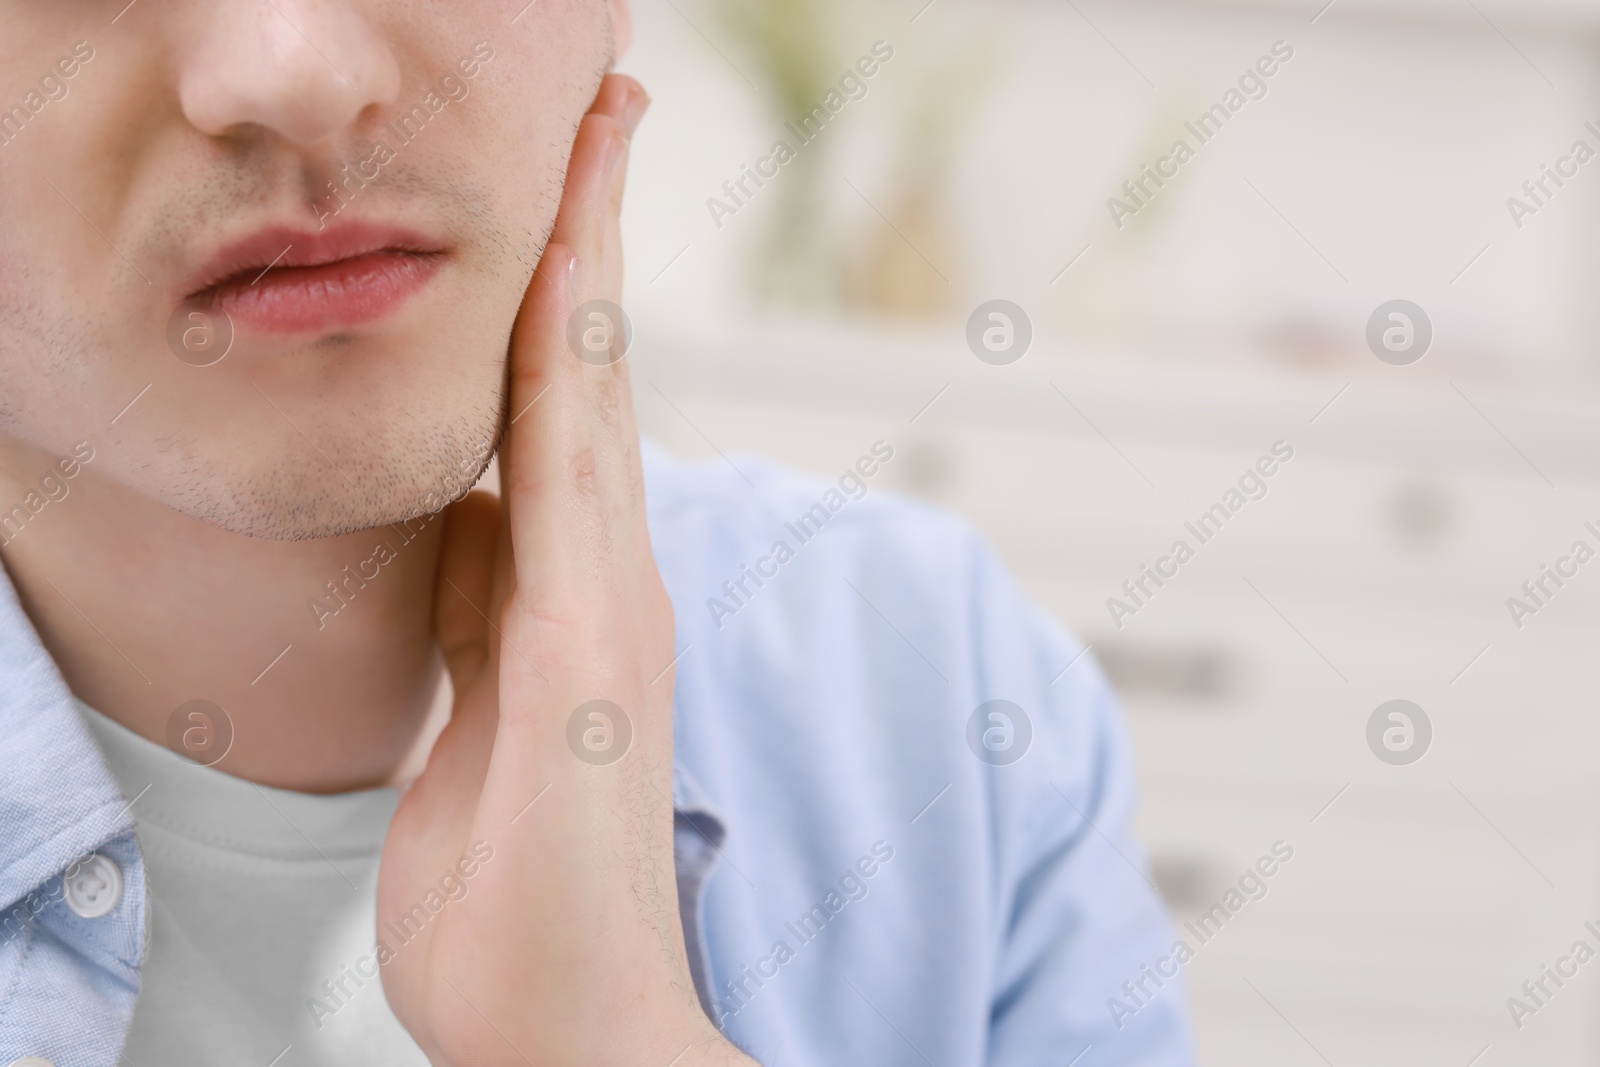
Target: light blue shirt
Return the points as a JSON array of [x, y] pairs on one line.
[[877, 862]]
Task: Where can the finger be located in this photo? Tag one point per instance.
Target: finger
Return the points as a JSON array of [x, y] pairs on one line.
[[570, 480], [622, 98], [622, 101], [591, 224], [589, 200], [462, 598], [632, 108]]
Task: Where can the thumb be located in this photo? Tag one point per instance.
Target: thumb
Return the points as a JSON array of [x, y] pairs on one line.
[[462, 598]]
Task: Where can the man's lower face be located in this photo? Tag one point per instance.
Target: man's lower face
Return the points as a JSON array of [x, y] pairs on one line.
[[267, 257]]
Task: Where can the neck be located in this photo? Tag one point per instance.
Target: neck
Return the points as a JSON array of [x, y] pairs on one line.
[[320, 652]]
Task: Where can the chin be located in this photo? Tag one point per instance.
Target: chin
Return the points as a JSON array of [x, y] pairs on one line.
[[294, 501]]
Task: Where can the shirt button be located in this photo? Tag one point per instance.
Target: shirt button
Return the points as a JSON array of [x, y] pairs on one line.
[[31, 1061], [94, 886]]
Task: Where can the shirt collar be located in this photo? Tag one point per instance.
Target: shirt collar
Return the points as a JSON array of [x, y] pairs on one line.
[[58, 800]]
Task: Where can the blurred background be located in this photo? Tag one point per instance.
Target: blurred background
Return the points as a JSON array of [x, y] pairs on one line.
[[806, 317]]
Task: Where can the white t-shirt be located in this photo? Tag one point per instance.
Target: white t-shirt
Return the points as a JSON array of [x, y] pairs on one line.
[[261, 915]]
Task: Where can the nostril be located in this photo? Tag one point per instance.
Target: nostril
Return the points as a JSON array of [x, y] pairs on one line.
[[305, 76]]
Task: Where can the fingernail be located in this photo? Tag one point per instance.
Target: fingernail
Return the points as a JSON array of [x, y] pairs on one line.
[[616, 152], [572, 279], [638, 103]]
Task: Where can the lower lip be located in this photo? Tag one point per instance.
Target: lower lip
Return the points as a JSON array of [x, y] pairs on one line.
[[332, 296]]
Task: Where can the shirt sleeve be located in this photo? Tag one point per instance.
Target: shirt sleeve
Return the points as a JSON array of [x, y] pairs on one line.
[[1088, 970]]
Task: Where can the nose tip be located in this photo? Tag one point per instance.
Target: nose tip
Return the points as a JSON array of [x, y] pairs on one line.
[[302, 71]]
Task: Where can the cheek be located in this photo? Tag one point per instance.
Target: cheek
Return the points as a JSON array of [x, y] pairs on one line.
[[73, 314], [51, 389], [530, 144]]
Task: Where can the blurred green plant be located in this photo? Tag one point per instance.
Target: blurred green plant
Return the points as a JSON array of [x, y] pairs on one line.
[[797, 51], [795, 47], [796, 43]]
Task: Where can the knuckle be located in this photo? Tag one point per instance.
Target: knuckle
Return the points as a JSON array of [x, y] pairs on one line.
[[608, 402], [581, 470]]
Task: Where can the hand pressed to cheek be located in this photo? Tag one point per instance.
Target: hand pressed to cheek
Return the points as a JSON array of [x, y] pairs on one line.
[[570, 947]]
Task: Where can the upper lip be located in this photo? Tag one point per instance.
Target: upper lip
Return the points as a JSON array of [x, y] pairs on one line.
[[280, 247]]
